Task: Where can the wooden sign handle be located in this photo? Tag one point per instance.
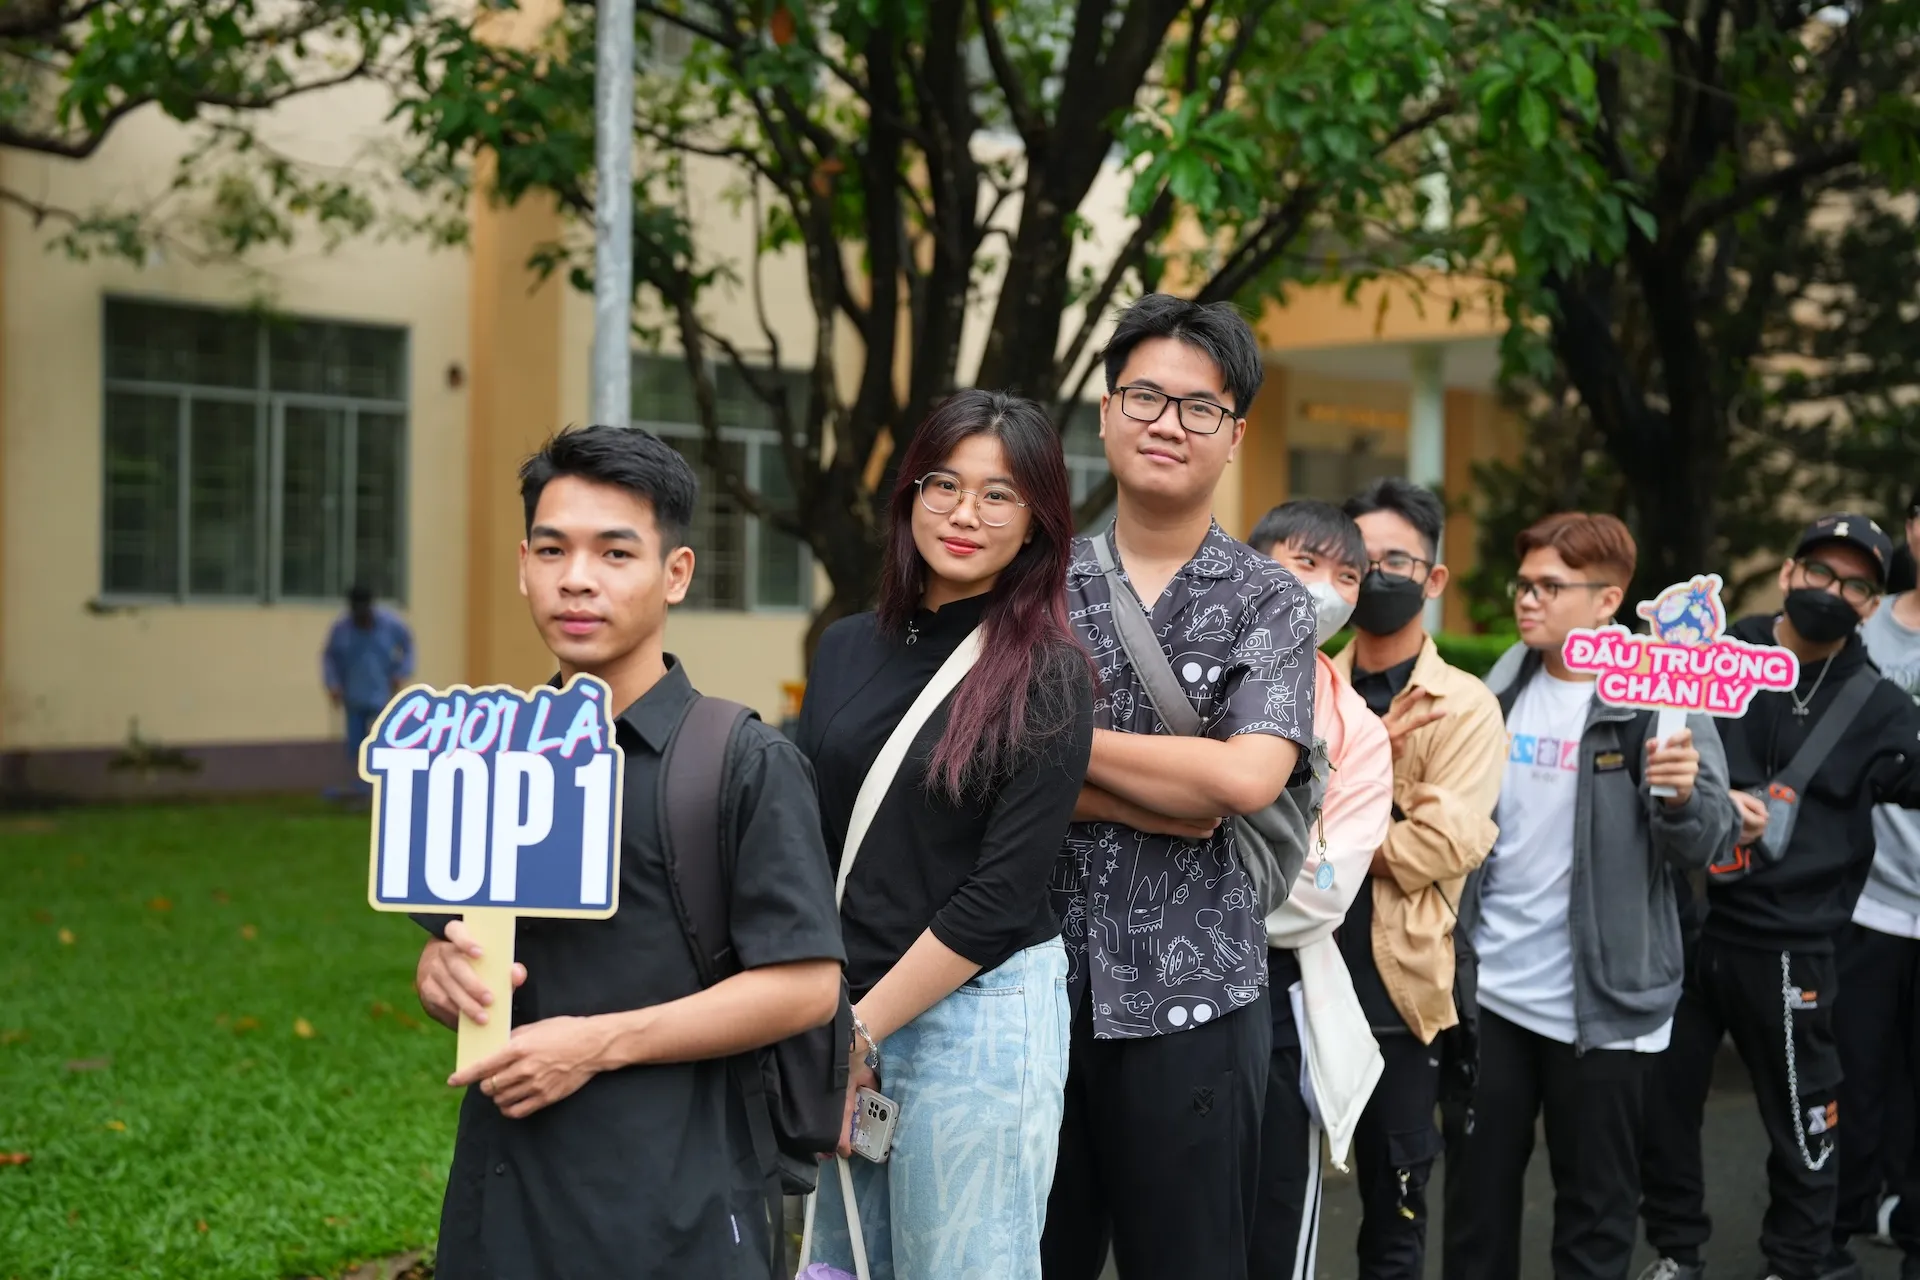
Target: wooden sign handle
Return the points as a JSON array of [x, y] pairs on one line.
[[1669, 722], [492, 928]]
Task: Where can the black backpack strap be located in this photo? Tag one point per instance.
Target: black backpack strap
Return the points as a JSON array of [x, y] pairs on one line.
[[693, 815], [695, 823]]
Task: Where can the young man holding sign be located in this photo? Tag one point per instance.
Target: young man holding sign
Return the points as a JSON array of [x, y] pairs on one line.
[[1765, 972], [609, 1139], [1572, 916]]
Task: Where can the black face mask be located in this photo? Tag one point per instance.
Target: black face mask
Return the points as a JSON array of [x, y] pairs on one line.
[[1819, 616], [1387, 604]]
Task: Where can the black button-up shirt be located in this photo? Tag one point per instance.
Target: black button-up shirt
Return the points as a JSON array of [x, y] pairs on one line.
[[647, 1170], [1166, 934]]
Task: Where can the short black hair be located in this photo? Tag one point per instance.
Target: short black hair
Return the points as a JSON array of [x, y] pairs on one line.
[[1418, 505], [360, 596], [1215, 329], [632, 459], [1311, 525]]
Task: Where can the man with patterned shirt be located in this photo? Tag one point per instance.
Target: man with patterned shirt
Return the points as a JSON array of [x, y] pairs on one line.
[[1159, 1150]]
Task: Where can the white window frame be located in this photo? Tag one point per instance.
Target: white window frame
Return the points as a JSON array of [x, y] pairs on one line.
[[756, 439], [269, 440]]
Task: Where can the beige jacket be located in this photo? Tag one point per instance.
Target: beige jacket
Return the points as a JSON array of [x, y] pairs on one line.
[[1445, 784]]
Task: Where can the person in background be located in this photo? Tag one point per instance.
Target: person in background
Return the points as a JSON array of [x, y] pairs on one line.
[[1449, 746], [1572, 917], [1765, 973], [954, 959], [1160, 1147], [367, 658], [1312, 996], [1878, 1024]]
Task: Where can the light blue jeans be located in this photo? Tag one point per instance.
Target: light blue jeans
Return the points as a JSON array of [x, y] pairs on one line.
[[981, 1080]]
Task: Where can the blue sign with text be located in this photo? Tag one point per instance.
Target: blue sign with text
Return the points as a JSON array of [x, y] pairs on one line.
[[496, 798]]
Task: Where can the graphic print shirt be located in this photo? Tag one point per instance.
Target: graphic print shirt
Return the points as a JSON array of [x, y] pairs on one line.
[[1164, 935]]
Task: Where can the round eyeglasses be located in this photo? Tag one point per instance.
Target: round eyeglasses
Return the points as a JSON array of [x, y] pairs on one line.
[[940, 493], [1144, 404]]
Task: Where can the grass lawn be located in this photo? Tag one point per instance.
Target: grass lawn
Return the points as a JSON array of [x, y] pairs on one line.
[[210, 1049]]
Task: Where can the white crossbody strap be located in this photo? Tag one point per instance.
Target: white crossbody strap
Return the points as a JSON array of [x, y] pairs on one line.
[[887, 763], [855, 1236]]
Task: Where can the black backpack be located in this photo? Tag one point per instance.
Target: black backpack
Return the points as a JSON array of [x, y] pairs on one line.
[[795, 1091]]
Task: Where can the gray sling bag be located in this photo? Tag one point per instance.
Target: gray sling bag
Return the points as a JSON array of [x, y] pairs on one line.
[[1273, 841], [1782, 794]]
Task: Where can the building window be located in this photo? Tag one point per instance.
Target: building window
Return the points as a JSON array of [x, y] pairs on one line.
[[250, 457], [1086, 458], [739, 562]]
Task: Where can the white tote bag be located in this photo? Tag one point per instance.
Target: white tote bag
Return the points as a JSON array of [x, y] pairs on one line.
[[872, 791]]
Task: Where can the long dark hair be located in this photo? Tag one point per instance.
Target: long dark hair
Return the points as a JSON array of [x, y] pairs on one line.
[[1020, 690]]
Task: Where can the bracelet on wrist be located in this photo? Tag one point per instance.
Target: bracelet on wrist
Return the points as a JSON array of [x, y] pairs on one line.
[[872, 1058]]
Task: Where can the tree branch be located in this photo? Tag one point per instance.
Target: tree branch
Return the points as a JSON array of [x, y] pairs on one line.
[[1031, 124], [1754, 190]]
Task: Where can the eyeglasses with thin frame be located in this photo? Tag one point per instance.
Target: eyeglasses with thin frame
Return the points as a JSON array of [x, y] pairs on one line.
[[1546, 590], [1398, 564], [1821, 576], [1145, 404], [940, 493]]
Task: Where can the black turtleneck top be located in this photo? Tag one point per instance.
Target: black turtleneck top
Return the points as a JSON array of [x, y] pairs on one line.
[[974, 872]]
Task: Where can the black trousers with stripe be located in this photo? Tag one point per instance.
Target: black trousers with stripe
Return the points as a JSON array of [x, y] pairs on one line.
[[1286, 1221]]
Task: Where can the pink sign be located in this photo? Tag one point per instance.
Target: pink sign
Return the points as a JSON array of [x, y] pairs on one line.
[[1686, 664]]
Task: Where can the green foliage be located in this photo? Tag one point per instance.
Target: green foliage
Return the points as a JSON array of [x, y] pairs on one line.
[[154, 1068], [70, 72], [1712, 340], [1474, 654]]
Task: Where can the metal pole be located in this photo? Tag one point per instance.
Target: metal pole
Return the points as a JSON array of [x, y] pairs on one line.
[[1427, 432], [613, 214]]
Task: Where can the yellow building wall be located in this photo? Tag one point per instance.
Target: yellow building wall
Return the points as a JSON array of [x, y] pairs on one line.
[[74, 677]]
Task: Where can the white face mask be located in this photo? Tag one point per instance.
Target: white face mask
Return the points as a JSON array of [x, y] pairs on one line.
[[1330, 611]]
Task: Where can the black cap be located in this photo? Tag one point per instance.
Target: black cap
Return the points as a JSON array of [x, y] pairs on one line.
[[1854, 530]]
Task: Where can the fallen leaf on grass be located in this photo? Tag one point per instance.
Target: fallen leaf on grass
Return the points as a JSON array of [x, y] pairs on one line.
[[303, 1028], [201, 1226], [241, 1025], [248, 932], [77, 860], [381, 1008], [118, 1126], [220, 896], [409, 1023], [66, 937], [160, 904], [42, 916], [13, 1037], [13, 1157], [90, 1064], [73, 1216], [221, 1020]]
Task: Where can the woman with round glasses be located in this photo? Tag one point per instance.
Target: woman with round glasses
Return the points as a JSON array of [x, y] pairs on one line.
[[954, 959]]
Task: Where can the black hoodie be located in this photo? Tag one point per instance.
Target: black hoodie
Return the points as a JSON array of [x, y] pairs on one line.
[[1805, 900]]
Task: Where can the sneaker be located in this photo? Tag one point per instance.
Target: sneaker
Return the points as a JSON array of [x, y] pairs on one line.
[[1668, 1269]]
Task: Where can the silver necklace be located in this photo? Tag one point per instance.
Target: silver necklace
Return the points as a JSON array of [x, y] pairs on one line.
[[913, 632], [1803, 707]]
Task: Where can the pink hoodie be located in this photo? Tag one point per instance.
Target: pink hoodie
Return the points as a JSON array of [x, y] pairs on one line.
[[1354, 816]]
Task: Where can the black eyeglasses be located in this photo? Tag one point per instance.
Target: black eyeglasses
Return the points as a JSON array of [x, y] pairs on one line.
[[1144, 404], [1547, 590], [1398, 564], [1821, 576]]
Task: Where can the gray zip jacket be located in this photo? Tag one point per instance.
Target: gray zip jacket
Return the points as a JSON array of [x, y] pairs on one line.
[[1625, 924]]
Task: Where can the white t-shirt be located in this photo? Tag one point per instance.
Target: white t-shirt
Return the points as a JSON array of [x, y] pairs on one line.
[[1525, 946]]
